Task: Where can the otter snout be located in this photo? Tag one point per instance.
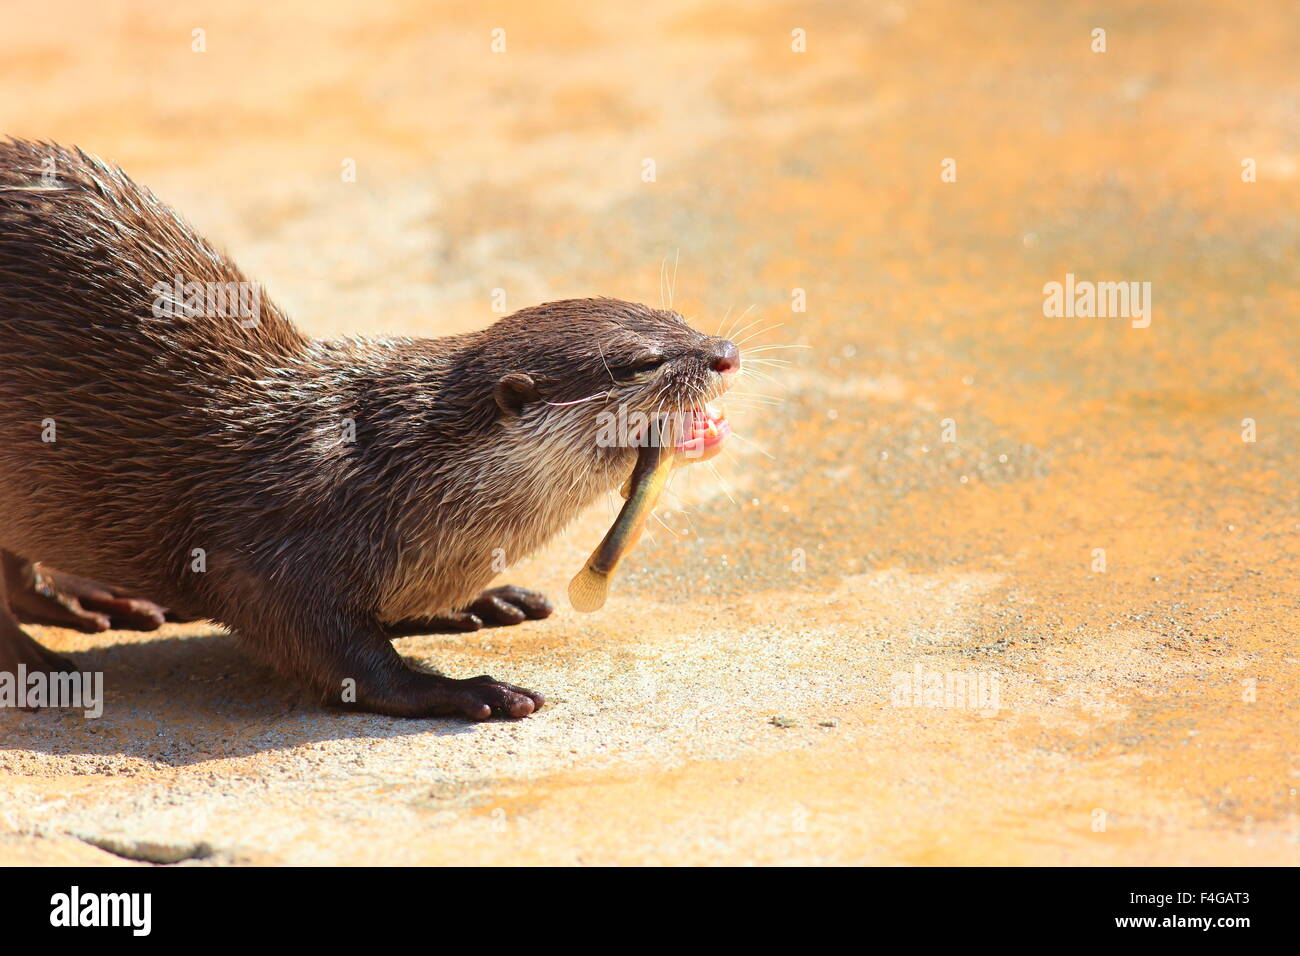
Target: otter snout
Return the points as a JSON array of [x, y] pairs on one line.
[[723, 357]]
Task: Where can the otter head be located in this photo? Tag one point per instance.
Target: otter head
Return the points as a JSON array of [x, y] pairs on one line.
[[596, 379]]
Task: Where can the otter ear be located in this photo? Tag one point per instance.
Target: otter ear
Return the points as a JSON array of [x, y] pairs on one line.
[[514, 391]]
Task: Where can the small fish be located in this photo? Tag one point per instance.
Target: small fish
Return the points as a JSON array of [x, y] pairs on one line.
[[590, 586], [703, 434]]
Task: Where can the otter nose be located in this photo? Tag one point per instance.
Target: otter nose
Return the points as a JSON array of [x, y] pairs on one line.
[[725, 357]]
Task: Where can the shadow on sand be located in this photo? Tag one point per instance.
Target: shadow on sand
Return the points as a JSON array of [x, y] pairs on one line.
[[179, 700]]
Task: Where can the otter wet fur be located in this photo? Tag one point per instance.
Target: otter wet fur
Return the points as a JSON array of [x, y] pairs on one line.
[[318, 498]]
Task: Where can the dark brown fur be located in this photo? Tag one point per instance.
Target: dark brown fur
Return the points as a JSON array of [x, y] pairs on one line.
[[195, 432]]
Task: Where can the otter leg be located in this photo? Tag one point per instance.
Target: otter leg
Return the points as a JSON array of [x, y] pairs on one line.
[[17, 647], [354, 665], [495, 607], [40, 595]]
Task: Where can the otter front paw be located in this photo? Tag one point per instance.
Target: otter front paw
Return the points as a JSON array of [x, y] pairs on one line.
[[499, 607], [495, 607]]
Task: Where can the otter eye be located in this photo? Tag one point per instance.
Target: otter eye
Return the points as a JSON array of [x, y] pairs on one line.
[[640, 366]]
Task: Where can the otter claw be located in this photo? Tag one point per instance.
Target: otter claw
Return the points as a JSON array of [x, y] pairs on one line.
[[483, 697]]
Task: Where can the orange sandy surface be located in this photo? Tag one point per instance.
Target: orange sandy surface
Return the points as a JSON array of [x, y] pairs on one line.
[[736, 699]]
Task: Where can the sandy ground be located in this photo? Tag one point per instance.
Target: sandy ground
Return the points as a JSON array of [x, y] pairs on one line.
[[744, 697]]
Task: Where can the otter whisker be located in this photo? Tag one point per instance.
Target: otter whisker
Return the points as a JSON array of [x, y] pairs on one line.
[[725, 490], [740, 318], [746, 327], [759, 378], [600, 349], [684, 512], [752, 397], [754, 445], [672, 289], [758, 381], [579, 401], [760, 374], [667, 527], [754, 401], [723, 321], [754, 335]]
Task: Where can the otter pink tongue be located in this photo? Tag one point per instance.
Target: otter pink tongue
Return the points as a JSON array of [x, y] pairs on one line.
[[709, 429]]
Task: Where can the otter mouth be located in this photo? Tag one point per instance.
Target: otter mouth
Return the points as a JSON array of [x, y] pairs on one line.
[[707, 429]]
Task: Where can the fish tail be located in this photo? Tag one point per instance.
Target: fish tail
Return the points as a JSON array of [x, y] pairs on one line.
[[588, 589]]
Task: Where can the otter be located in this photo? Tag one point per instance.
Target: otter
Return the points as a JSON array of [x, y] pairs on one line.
[[317, 498]]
